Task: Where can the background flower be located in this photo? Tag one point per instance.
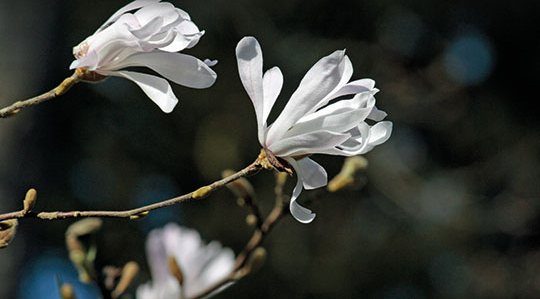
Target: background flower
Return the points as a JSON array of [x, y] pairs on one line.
[[312, 122], [148, 37], [202, 265]]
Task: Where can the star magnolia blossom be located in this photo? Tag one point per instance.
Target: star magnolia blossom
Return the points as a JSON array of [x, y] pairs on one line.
[[148, 37], [201, 265], [312, 122]]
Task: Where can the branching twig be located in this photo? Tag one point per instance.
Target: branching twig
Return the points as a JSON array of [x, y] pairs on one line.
[[256, 240], [137, 212], [57, 91]]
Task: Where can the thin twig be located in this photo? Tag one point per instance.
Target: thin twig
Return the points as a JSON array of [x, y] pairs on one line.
[[51, 94], [141, 211], [256, 240]]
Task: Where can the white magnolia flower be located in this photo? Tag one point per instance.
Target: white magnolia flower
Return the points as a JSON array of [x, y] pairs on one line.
[[201, 265], [148, 37], [325, 115]]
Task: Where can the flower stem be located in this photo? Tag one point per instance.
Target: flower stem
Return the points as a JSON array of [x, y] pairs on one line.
[[51, 94], [137, 212]]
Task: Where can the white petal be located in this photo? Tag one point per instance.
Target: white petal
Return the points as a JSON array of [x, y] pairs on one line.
[[319, 81], [210, 62], [156, 88], [163, 9], [314, 174], [297, 211], [380, 133], [131, 6], [90, 60], [155, 251], [180, 68], [272, 83], [250, 63], [338, 117], [355, 87], [148, 29], [346, 76], [309, 143], [377, 115]]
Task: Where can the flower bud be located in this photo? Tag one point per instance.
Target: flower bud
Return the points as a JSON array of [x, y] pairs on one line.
[[29, 200], [129, 272], [345, 177], [251, 220]]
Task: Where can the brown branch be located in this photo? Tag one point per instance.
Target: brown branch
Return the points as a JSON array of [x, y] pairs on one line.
[[256, 240], [141, 211], [51, 94]]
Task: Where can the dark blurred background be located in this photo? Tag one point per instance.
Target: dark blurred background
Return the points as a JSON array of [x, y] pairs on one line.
[[450, 205]]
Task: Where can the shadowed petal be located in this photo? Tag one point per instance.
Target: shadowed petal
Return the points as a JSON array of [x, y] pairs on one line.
[[156, 88], [272, 83], [309, 143], [131, 6], [314, 175], [180, 68]]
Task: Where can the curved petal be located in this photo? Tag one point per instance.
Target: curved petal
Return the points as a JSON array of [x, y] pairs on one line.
[[346, 76], [338, 117], [318, 82], [147, 30], [131, 6], [354, 87], [180, 68], [314, 174], [272, 83], [379, 134], [297, 211], [376, 114], [309, 143], [163, 9], [156, 88], [250, 63], [90, 60]]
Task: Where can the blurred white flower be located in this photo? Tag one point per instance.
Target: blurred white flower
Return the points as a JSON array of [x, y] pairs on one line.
[[148, 37], [202, 265], [325, 115]]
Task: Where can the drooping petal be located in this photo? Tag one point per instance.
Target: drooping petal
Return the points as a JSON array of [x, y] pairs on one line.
[[272, 83], [297, 211], [318, 82], [180, 68], [309, 143], [313, 174], [130, 6], [250, 63], [156, 88]]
